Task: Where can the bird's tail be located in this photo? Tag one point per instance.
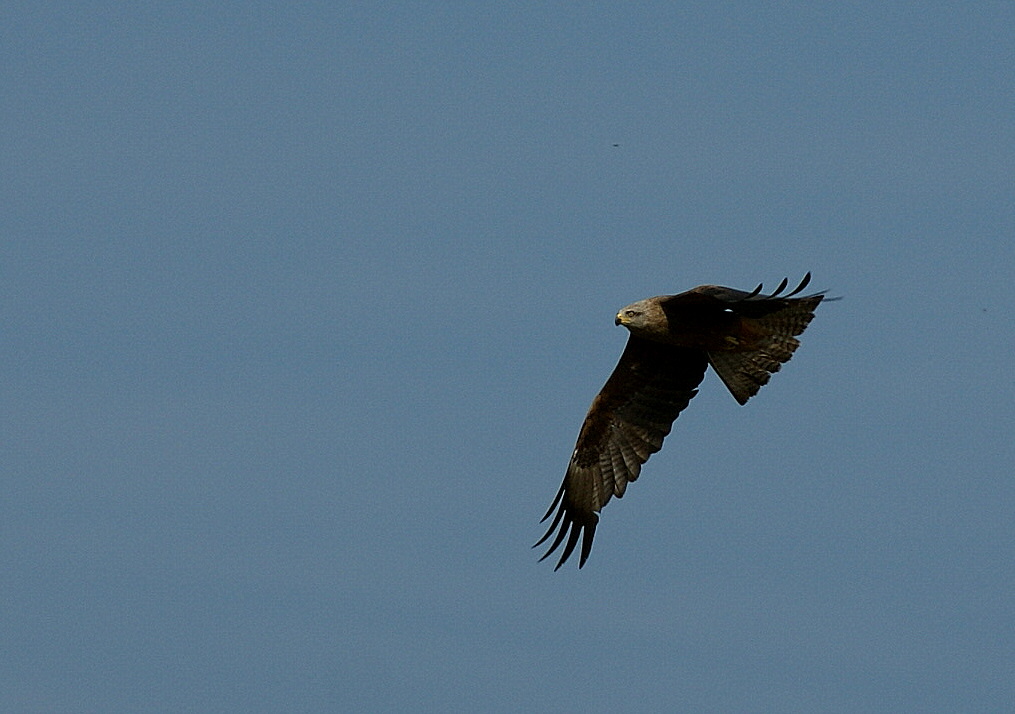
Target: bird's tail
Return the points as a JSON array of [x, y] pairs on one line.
[[745, 372]]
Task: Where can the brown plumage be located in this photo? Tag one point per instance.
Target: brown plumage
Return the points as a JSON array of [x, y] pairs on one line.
[[745, 336]]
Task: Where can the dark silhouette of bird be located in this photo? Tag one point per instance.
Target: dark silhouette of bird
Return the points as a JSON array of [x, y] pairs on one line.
[[744, 336]]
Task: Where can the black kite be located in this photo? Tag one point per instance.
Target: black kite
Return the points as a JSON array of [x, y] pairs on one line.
[[745, 336]]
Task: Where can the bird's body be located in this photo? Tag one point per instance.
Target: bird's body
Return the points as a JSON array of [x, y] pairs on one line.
[[745, 336]]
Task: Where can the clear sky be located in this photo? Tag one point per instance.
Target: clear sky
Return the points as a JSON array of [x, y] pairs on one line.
[[303, 305]]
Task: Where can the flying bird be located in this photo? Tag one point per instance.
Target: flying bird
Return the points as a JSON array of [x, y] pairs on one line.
[[745, 336]]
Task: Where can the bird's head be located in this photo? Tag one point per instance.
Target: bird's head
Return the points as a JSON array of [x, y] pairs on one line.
[[642, 318], [628, 316]]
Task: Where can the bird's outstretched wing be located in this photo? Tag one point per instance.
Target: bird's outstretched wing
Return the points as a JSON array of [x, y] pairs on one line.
[[628, 420], [758, 331]]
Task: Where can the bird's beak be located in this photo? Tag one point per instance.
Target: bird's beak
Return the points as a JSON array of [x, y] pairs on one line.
[[620, 319]]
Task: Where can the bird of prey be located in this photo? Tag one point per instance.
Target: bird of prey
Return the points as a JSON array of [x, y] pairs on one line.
[[745, 336]]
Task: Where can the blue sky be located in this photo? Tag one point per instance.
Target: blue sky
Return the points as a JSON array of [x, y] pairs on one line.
[[303, 304]]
